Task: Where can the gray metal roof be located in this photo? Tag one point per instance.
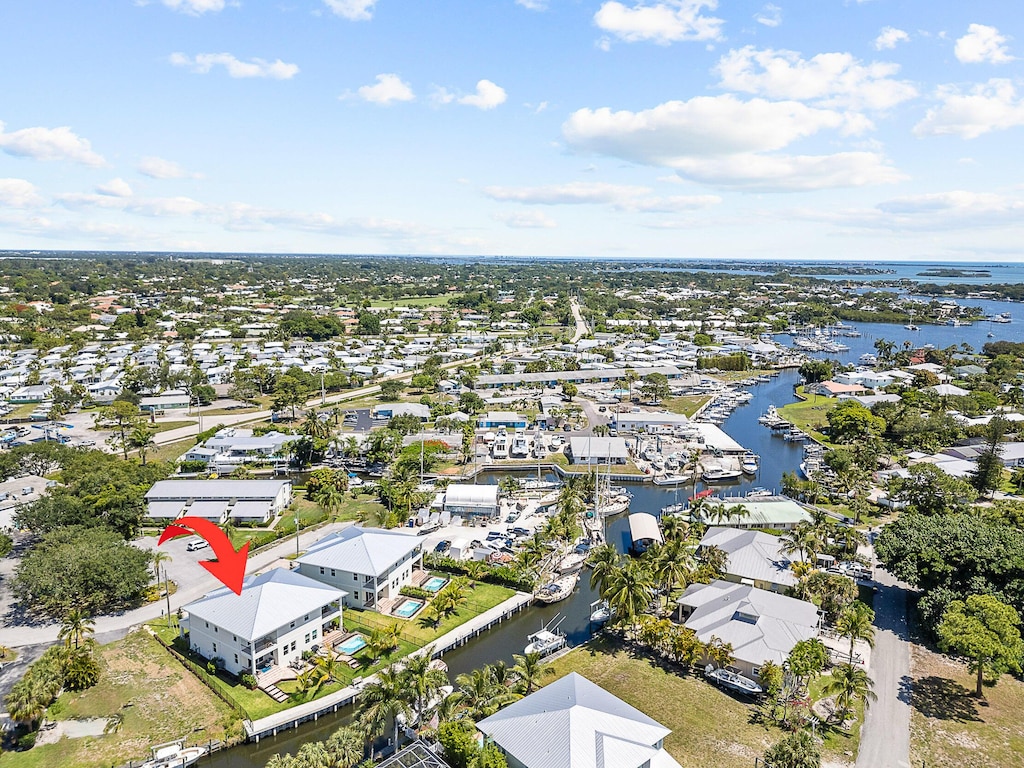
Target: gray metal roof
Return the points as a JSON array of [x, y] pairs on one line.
[[369, 551], [268, 602], [598, 447], [251, 509], [573, 723], [215, 489], [461, 494], [774, 623], [752, 554]]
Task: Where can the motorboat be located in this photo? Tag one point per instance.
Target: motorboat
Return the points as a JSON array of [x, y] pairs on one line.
[[733, 681], [748, 463], [758, 493], [720, 474], [519, 447], [547, 639], [557, 590], [795, 435], [600, 612], [173, 754], [911, 327], [671, 480], [673, 509]]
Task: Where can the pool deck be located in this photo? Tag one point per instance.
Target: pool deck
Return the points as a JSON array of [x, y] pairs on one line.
[[332, 702]]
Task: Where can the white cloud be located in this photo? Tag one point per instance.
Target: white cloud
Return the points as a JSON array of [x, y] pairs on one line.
[[204, 62], [622, 197], [956, 209], [158, 168], [533, 5], [487, 96], [791, 173], [889, 37], [19, 193], [703, 125], [526, 220], [982, 44], [770, 15], [831, 79], [663, 22], [49, 144], [195, 7], [353, 10], [986, 107], [389, 88], [115, 188]]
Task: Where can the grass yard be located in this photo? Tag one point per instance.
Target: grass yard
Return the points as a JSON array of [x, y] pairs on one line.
[[709, 726], [417, 301], [170, 451], [166, 426], [157, 699], [950, 728], [687, 406], [478, 599], [810, 415]]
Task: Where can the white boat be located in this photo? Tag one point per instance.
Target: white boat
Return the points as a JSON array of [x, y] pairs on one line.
[[547, 639], [1003, 317], [557, 590], [868, 359], [519, 447], [911, 327], [720, 474], [671, 480], [748, 463], [732, 681], [758, 493], [572, 562], [673, 509], [600, 612], [174, 754]]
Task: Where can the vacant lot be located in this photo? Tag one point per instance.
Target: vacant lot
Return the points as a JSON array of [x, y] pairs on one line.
[[949, 727], [155, 699]]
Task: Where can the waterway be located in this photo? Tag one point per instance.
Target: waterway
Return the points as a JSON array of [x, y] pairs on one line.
[[777, 456]]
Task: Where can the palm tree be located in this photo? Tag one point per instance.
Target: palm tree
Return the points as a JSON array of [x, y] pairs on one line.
[[629, 590], [849, 683], [673, 564], [674, 528], [141, 439], [26, 703], [329, 498], [159, 557], [385, 699], [314, 754], [423, 679], [718, 652], [315, 427], [803, 539], [345, 746], [528, 671], [855, 622], [603, 560], [75, 627]]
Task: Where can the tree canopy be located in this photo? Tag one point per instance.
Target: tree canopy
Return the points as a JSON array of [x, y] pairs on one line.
[[987, 632]]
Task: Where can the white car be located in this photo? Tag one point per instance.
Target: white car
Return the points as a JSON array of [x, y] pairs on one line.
[[197, 544]]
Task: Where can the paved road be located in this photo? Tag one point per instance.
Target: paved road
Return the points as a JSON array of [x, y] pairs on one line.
[[581, 324], [885, 737], [193, 580]]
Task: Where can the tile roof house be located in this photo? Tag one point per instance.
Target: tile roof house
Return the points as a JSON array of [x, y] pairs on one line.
[[370, 564], [573, 723], [760, 625], [279, 615]]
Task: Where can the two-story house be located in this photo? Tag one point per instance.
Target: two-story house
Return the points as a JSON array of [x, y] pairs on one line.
[[279, 615], [370, 564]]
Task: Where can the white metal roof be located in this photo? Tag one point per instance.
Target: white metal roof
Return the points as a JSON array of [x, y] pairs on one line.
[[369, 551], [573, 723], [164, 509], [464, 494], [643, 525], [215, 489], [752, 554], [260, 509], [598, 447], [268, 602], [774, 623]]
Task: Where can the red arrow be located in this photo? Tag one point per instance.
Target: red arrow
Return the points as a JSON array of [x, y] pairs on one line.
[[229, 567]]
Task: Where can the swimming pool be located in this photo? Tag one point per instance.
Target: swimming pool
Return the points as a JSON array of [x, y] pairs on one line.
[[408, 608], [353, 644], [434, 583]]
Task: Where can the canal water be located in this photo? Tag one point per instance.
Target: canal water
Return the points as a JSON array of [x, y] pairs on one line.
[[573, 615]]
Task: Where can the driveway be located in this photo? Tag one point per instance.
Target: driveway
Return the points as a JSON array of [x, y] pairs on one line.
[[885, 737]]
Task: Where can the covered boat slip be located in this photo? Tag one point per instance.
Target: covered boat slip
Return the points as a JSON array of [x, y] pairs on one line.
[[644, 530]]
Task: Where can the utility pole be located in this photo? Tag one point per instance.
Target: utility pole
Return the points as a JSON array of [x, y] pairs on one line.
[[296, 532], [167, 592], [323, 392]]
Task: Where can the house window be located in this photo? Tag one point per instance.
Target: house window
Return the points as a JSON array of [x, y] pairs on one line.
[[333, 573], [306, 641], [215, 629], [756, 671], [355, 576], [236, 659], [321, 570], [292, 625], [214, 647], [315, 632], [207, 624]]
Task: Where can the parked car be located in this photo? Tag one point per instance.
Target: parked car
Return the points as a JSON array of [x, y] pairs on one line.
[[443, 547], [197, 544]]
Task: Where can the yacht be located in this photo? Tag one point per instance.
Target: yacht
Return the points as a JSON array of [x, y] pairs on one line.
[[572, 562], [732, 681], [749, 463], [557, 590], [671, 480], [519, 448], [547, 639], [758, 493], [868, 359], [1003, 317], [720, 474]]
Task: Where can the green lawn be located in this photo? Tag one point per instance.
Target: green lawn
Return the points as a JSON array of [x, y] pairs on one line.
[[157, 698], [170, 451], [810, 415], [709, 727], [687, 406], [416, 301], [166, 426]]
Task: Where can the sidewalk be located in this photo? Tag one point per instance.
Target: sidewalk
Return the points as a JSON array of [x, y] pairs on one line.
[[115, 626]]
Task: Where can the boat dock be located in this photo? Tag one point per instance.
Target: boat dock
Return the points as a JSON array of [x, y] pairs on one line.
[[312, 710]]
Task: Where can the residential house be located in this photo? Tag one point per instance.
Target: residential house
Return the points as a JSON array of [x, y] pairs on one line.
[[279, 615], [759, 625], [252, 501], [370, 564], [753, 558], [778, 513], [498, 419], [390, 410], [573, 723]]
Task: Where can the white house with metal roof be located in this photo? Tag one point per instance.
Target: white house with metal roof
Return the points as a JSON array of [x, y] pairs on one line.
[[573, 723], [279, 615], [754, 557], [245, 501], [370, 564], [760, 625], [776, 512]]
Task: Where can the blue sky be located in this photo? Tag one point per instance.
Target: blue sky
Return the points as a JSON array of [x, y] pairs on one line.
[[819, 129]]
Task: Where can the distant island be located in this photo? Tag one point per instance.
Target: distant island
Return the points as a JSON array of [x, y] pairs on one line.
[[953, 272]]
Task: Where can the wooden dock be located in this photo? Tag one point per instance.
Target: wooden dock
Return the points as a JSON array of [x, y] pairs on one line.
[[312, 710]]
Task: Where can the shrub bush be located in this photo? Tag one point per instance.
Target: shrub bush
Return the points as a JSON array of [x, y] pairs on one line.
[[418, 592]]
